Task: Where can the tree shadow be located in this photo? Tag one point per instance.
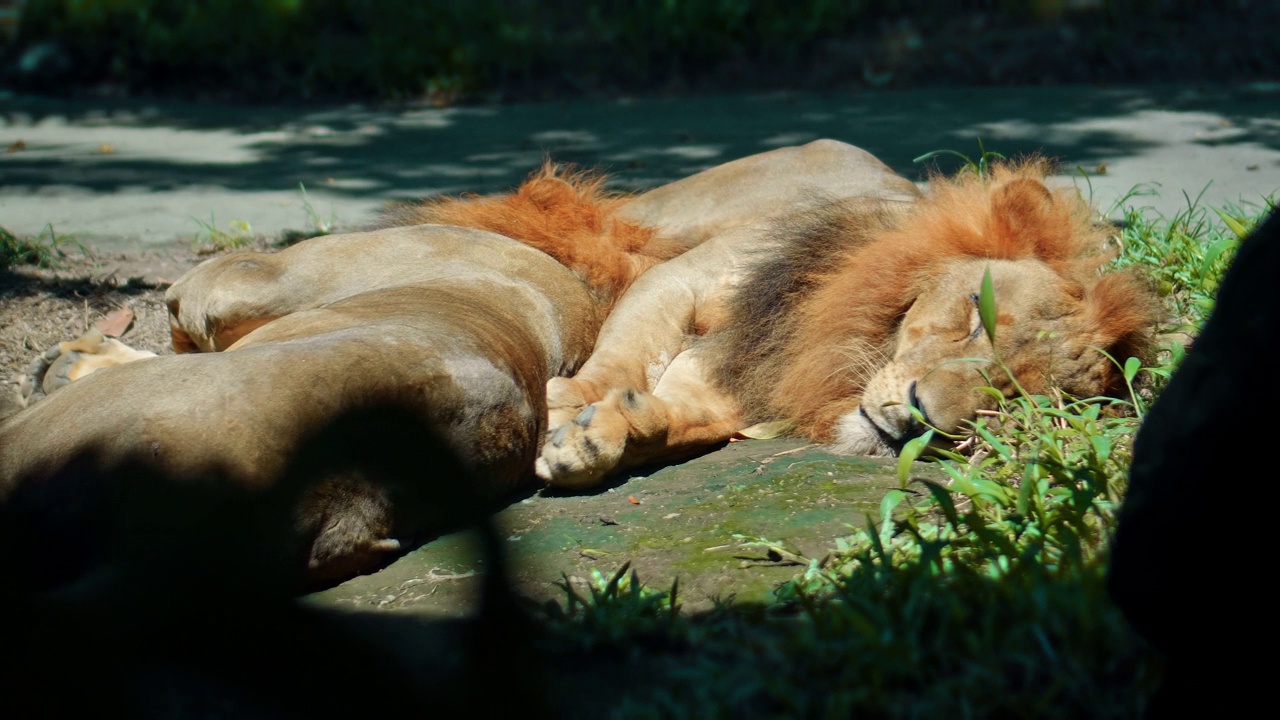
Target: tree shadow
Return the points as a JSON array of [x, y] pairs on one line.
[[405, 152]]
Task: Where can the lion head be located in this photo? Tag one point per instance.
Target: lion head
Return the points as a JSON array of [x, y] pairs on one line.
[[879, 312]]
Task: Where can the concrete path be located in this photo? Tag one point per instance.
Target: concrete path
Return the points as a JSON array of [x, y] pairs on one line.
[[124, 175]]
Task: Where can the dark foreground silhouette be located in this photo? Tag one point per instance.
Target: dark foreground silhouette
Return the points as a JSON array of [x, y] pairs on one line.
[[146, 596], [1193, 550]]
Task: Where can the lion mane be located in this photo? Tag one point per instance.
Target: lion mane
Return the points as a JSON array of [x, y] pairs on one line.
[[563, 211], [854, 276]]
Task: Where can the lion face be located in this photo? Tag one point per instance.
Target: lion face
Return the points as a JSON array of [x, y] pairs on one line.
[[941, 357]]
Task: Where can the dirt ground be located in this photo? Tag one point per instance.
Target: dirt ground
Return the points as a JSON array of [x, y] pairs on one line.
[[42, 307]]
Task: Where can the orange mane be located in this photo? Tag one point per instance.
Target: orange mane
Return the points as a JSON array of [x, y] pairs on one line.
[[854, 302], [563, 212]]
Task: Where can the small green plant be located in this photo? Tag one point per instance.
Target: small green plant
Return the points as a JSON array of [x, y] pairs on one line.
[[979, 167], [317, 223], [12, 251], [46, 250], [211, 239], [617, 607]]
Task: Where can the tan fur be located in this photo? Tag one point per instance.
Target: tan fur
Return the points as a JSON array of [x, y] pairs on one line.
[[462, 323], [467, 324], [772, 184], [67, 362], [837, 320], [1009, 216]]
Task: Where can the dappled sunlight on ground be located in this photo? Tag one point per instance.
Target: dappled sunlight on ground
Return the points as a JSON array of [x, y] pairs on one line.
[[107, 170]]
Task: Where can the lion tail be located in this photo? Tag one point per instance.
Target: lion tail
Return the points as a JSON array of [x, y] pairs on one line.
[[563, 212]]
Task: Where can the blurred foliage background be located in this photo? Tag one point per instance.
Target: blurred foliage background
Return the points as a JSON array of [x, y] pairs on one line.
[[450, 50]]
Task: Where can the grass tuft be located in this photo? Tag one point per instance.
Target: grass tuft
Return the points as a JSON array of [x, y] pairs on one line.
[[46, 250], [211, 239]]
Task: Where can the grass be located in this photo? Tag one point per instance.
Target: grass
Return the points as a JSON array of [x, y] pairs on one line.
[[211, 239], [46, 250], [239, 234], [317, 224], [985, 597]]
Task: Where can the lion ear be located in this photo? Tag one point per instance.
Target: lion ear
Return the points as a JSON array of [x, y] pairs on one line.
[[1021, 213]]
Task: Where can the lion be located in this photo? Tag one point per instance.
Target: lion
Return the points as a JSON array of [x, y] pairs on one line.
[[464, 308], [855, 325]]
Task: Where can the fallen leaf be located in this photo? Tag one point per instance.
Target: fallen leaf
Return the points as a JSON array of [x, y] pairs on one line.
[[18, 145], [767, 430], [633, 499], [106, 148], [116, 323]]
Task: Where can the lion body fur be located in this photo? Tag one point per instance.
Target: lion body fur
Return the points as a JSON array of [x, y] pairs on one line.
[[836, 320], [466, 317], [471, 343], [771, 184]]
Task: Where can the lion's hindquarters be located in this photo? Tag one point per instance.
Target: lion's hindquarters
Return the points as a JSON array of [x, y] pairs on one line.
[[224, 299], [476, 377]]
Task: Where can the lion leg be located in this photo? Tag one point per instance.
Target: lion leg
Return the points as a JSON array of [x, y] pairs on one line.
[[683, 415], [656, 320], [624, 356], [566, 397]]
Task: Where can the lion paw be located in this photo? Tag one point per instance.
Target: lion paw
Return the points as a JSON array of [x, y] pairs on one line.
[[565, 400], [582, 451], [601, 438], [69, 361]]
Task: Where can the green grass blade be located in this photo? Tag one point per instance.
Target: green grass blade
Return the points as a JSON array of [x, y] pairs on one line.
[[1211, 255], [987, 305], [909, 453], [1233, 224]]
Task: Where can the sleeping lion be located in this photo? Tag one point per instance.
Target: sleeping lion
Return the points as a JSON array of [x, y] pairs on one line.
[[840, 321], [462, 309]]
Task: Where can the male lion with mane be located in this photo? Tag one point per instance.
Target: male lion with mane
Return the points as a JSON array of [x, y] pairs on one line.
[[462, 309], [841, 320]]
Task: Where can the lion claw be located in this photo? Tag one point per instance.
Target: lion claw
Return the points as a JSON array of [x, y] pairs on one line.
[[559, 435], [581, 452]]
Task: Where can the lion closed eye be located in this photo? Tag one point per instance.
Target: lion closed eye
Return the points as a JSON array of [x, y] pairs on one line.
[[856, 324]]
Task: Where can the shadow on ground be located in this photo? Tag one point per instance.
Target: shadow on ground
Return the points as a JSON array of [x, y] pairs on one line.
[[709, 522], [83, 150]]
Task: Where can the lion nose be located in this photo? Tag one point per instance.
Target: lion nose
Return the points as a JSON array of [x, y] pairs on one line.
[[914, 400]]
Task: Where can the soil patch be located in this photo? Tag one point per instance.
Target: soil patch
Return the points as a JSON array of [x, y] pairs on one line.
[[41, 307]]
